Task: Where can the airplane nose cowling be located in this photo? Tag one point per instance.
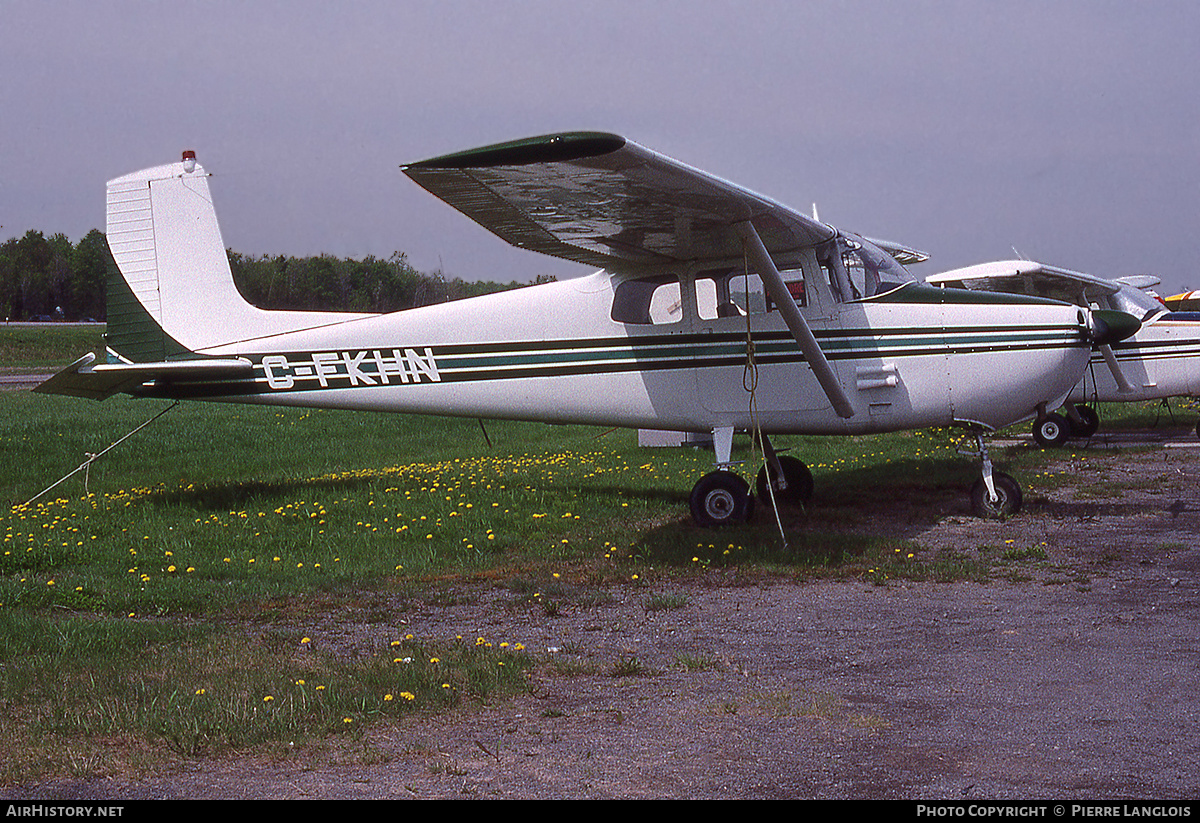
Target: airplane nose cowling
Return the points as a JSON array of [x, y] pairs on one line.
[[1110, 327]]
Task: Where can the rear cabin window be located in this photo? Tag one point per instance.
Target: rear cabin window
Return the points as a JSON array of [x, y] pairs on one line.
[[648, 301]]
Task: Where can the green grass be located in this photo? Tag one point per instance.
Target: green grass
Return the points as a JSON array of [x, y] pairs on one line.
[[47, 347], [167, 565], [201, 691]]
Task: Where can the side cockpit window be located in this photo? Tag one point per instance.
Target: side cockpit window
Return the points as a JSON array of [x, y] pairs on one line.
[[648, 301], [737, 295]]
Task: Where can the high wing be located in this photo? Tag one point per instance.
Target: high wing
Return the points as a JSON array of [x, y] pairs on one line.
[[601, 200], [904, 255], [1029, 278]]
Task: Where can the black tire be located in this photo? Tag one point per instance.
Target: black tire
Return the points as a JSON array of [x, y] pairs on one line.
[[1089, 422], [721, 498], [1008, 493], [799, 483], [1051, 431]]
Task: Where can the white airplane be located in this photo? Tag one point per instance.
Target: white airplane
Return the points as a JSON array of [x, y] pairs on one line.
[[717, 310], [1161, 360]]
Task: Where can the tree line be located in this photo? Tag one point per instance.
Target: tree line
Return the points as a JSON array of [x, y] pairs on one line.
[[50, 278]]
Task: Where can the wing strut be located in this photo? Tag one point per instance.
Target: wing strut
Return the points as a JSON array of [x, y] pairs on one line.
[[1123, 385], [794, 320]]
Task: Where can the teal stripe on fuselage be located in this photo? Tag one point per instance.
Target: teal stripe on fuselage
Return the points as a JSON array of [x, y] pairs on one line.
[[359, 368]]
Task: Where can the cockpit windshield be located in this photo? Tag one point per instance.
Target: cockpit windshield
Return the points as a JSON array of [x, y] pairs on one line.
[[869, 269]]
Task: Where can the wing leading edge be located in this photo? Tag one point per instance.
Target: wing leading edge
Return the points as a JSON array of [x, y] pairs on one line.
[[601, 200]]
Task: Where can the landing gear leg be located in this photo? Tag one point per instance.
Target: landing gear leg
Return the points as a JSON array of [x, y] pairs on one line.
[[995, 495], [784, 480]]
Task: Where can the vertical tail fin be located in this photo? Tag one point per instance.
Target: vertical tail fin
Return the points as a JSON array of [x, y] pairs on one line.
[[175, 296]]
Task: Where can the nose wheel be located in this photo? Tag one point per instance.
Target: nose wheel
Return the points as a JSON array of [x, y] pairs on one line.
[[1007, 499], [995, 495]]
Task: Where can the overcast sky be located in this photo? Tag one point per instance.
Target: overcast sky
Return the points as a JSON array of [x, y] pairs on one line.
[[1067, 131]]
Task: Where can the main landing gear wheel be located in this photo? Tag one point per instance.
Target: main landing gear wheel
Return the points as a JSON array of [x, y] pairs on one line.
[[721, 498], [1007, 502], [1088, 423], [1051, 431], [798, 481]]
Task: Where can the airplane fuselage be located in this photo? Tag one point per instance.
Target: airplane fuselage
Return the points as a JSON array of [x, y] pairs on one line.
[[555, 353]]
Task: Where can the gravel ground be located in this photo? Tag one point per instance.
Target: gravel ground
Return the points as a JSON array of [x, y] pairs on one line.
[[1080, 678]]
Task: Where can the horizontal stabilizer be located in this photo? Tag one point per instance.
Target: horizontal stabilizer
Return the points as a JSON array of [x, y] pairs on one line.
[[85, 378]]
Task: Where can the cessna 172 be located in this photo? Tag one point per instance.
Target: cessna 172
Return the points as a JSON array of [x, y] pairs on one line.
[[717, 310], [1161, 360]]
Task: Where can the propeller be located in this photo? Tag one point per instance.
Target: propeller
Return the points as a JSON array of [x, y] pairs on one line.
[[1110, 327]]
